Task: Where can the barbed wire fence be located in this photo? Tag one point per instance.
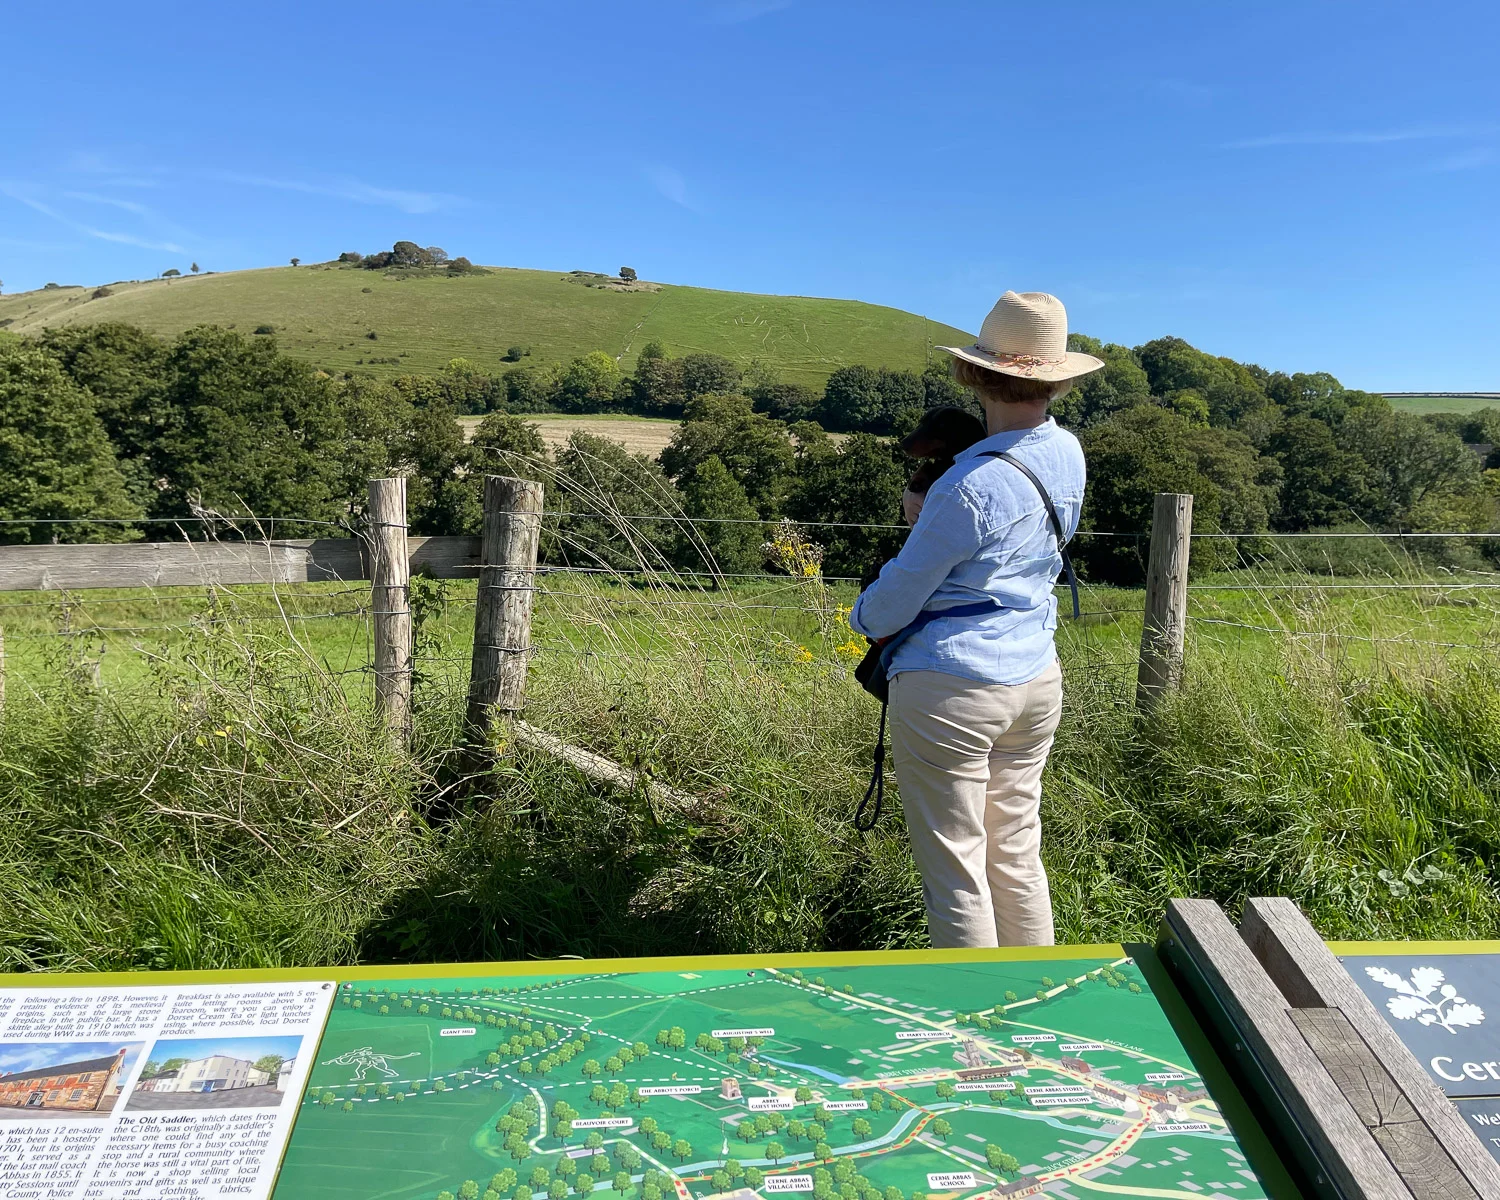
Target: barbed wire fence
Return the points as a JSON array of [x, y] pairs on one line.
[[603, 595]]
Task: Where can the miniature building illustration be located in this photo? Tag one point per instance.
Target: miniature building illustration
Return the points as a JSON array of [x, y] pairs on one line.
[[82, 1086], [970, 1054], [1077, 1064], [993, 1071], [729, 1089]]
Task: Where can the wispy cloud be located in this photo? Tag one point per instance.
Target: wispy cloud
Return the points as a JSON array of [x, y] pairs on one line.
[[670, 183], [736, 12], [1365, 137], [1467, 160], [104, 235], [353, 190]]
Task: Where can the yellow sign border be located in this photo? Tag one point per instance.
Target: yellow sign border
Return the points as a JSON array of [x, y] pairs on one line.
[[553, 966]]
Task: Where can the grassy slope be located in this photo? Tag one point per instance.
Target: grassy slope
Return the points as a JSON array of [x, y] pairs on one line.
[[1421, 405], [323, 314]]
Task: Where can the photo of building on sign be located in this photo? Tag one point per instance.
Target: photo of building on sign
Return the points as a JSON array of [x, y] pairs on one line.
[[63, 1079], [234, 1072]]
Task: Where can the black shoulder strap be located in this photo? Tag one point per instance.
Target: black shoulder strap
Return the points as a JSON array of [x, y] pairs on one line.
[[1062, 541]]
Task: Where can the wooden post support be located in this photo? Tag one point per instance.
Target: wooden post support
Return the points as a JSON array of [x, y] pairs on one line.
[[1308, 1117], [502, 610], [390, 604], [1166, 599], [1411, 1120]]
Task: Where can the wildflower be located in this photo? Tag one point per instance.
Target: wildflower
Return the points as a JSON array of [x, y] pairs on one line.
[[850, 649]]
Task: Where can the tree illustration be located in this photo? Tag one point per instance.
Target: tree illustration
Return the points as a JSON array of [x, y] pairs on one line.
[[815, 1130], [802, 1095], [583, 1183], [347, 1106], [682, 1149], [468, 1190], [861, 1127], [661, 1141], [775, 1151], [945, 1090], [823, 1150], [941, 1128], [591, 1068]]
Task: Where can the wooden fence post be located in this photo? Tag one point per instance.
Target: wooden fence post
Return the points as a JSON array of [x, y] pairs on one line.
[[390, 604], [502, 609], [1166, 599]]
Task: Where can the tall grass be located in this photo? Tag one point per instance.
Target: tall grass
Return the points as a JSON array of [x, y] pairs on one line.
[[228, 802]]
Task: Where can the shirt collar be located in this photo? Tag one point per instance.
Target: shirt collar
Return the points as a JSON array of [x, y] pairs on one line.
[[1009, 440]]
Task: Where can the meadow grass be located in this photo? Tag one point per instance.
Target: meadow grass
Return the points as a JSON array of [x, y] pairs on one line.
[[324, 314], [214, 794], [1423, 405]]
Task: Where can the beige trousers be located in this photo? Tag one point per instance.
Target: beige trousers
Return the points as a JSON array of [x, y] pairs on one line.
[[969, 759]]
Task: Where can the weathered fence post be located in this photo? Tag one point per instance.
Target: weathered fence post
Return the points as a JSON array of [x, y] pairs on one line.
[[390, 604], [1166, 599], [502, 610]]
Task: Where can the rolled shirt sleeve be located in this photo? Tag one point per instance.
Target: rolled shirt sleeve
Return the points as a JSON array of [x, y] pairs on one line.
[[946, 534]]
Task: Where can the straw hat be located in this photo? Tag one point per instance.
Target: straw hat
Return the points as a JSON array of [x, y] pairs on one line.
[[1026, 334]]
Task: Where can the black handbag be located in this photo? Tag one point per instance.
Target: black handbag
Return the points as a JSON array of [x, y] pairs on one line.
[[870, 672]]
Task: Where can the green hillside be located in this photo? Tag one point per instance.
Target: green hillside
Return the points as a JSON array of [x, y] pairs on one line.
[[325, 313]]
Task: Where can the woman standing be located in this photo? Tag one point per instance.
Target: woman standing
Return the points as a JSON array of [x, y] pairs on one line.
[[975, 699]]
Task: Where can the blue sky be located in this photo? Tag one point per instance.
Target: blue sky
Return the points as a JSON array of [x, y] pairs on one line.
[[1305, 185], [251, 1048], [29, 1056]]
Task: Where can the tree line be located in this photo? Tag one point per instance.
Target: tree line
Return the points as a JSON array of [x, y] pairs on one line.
[[113, 425]]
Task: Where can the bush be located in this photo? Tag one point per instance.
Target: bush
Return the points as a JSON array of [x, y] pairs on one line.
[[366, 289], [265, 329], [514, 354], [100, 293], [350, 256]]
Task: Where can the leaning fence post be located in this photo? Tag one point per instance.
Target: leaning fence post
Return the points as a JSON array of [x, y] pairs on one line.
[[1166, 599], [390, 604], [502, 609]]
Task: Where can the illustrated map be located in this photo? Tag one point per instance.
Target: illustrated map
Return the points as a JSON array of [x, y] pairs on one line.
[[892, 1082]]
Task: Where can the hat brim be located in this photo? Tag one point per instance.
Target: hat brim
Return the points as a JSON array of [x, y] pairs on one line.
[[1072, 366]]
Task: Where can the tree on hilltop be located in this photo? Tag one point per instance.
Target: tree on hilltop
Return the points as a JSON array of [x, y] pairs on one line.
[[296, 262], [627, 274], [194, 268], [170, 273]]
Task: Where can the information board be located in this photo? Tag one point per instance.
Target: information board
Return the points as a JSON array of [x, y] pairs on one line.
[[942, 1075], [1443, 999]]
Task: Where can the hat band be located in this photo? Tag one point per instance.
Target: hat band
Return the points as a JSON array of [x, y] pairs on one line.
[[1025, 363]]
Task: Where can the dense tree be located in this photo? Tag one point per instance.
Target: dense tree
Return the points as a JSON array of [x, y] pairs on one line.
[[658, 381], [857, 483], [605, 486], [628, 274], [722, 534], [703, 374], [56, 461], [589, 384], [755, 450], [1145, 450], [1322, 484], [1416, 475]]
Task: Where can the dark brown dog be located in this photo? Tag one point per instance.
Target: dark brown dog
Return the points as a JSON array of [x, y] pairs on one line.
[[939, 435]]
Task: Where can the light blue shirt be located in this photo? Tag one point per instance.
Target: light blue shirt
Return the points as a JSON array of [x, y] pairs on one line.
[[983, 534]]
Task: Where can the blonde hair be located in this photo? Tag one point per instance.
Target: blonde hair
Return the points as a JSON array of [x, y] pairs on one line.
[[1007, 389]]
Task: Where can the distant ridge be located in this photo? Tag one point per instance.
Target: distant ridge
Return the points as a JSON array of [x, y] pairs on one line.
[[327, 314]]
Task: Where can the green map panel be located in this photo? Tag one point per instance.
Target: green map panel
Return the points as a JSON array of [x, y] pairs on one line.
[[945, 1081]]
